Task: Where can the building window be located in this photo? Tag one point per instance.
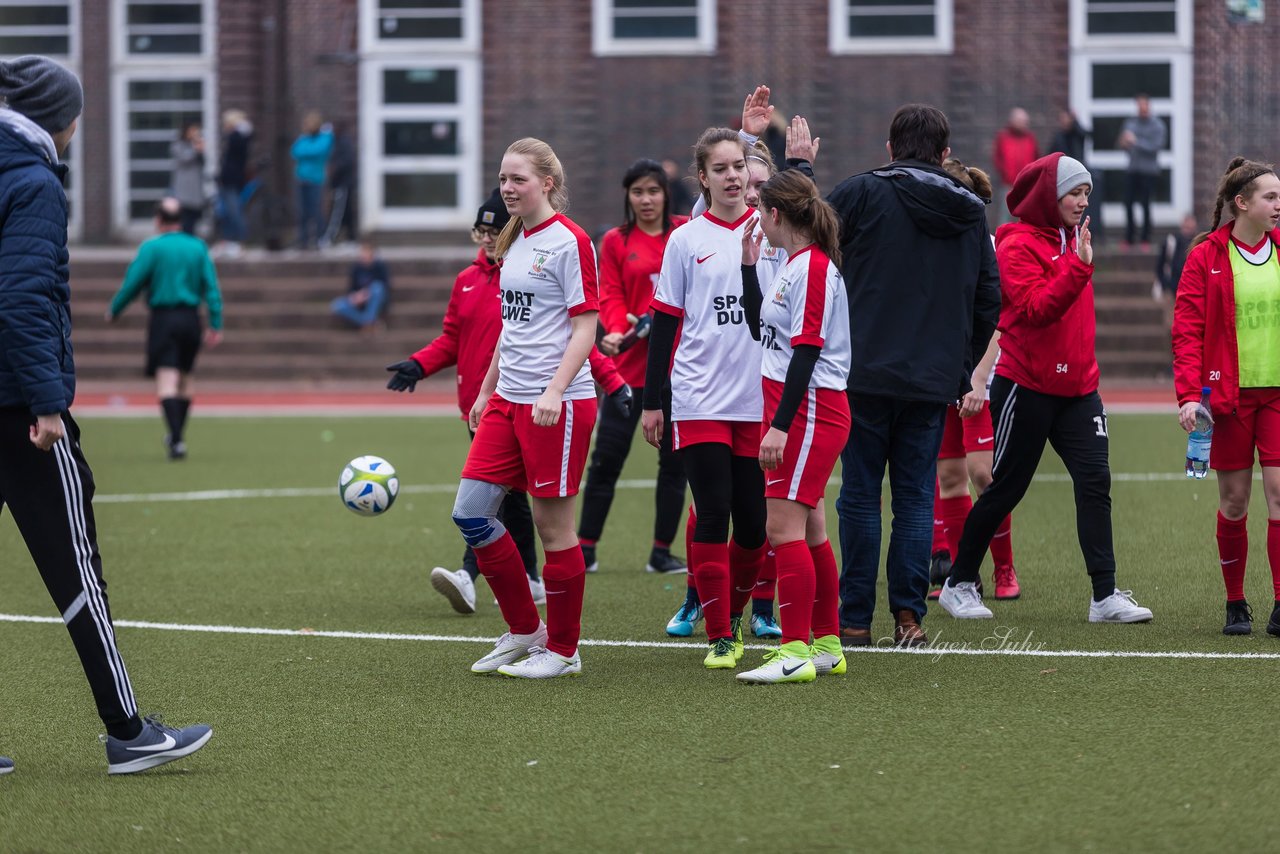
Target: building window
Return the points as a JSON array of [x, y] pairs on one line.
[[35, 26], [164, 27], [412, 25], [156, 111], [421, 129], [891, 26], [648, 27], [1131, 22]]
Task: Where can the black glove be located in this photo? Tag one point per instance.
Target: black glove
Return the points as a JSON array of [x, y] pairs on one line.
[[622, 400], [407, 374]]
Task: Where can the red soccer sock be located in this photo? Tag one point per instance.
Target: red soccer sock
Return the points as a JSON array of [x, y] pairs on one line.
[[501, 566], [712, 579], [795, 590], [954, 512], [826, 591], [565, 575], [1002, 544], [939, 526], [768, 577], [1233, 553], [1273, 554], [744, 569]]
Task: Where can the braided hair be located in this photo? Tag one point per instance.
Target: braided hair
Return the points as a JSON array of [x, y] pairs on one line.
[[1238, 180]]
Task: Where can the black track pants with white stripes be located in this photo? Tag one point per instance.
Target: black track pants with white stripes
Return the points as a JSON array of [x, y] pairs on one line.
[[1076, 427], [50, 495]]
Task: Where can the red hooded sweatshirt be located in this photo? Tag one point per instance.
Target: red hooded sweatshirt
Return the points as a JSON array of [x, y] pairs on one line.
[[1046, 317], [472, 324], [1205, 352]]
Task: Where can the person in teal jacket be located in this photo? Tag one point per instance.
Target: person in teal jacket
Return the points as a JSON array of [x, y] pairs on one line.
[[310, 154], [177, 274]]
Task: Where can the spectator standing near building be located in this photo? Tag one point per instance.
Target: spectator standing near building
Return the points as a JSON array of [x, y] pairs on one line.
[[1170, 260], [1070, 139], [1014, 147], [924, 297], [233, 174], [310, 154], [342, 189], [1143, 136], [176, 273], [45, 480], [368, 289], [188, 175]]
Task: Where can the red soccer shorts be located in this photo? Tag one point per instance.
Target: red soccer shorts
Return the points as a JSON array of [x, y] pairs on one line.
[[964, 436], [547, 462], [1255, 424], [742, 437], [817, 436]]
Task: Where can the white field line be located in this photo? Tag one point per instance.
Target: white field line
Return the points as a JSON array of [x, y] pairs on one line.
[[451, 488], [1016, 650]]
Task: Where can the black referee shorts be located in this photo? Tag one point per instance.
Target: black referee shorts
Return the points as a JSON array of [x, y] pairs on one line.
[[173, 339]]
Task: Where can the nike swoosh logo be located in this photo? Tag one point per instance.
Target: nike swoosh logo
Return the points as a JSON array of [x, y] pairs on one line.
[[540, 484], [772, 482], [986, 440], [1215, 271], [762, 583], [744, 589], [472, 288], [700, 260], [167, 744], [710, 601], [554, 592], [1055, 257], [782, 605], [1233, 560], [786, 672]]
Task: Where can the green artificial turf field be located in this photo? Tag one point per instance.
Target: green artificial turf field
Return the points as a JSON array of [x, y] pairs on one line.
[[374, 744]]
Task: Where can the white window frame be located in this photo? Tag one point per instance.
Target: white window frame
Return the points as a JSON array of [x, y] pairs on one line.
[[371, 43], [75, 189], [941, 42], [374, 164], [603, 42], [1184, 13], [1179, 157], [120, 40]]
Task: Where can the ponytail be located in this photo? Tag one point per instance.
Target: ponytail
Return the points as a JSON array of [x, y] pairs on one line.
[[1238, 180], [972, 177]]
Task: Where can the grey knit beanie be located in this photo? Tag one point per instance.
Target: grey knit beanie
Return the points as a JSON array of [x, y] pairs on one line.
[[1071, 174], [42, 90]]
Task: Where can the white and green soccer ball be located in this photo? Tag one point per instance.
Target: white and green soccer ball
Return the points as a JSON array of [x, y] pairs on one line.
[[368, 485]]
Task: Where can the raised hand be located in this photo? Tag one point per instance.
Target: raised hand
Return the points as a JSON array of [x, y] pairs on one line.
[[1084, 243], [800, 145], [751, 238], [756, 111]]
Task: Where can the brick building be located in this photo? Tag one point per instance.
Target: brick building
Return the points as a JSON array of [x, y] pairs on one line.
[[434, 89]]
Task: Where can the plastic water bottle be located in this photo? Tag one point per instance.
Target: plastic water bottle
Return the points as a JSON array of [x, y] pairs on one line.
[[1200, 439]]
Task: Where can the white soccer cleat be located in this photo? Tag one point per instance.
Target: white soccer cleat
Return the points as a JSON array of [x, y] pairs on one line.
[[457, 587], [963, 601], [539, 590], [1119, 607], [543, 664], [510, 649], [781, 665]]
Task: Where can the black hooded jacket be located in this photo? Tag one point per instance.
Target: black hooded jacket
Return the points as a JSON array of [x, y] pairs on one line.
[[924, 289]]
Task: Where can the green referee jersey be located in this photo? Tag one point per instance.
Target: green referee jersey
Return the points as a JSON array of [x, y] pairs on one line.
[[175, 270]]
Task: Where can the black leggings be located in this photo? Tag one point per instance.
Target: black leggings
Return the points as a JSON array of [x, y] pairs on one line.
[[724, 487]]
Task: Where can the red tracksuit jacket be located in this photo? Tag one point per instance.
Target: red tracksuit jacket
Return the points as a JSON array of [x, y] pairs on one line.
[[1047, 320], [1205, 353], [472, 324]]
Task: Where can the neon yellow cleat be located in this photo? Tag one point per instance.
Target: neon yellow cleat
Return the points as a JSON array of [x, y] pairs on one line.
[[827, 656], [720, 655]]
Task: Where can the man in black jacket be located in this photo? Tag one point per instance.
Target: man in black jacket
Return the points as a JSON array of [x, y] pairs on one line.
[[45, 481], [924, 298]]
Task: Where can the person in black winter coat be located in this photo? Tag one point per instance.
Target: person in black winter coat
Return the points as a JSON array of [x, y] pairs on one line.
[[233, 174], [924, 298], [45, 481]]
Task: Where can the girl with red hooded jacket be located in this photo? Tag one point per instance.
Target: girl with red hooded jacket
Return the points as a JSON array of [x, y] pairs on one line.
[[1046, 385], [1226, 338]]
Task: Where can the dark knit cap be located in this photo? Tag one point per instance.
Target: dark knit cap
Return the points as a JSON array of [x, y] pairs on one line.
[[493, 213], [42, 90]]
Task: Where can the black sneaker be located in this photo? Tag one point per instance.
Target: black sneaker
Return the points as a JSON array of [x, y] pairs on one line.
[[589, 558], [1273, 624], [177, 450], [939, 569], [1240, 619], [663, 561]]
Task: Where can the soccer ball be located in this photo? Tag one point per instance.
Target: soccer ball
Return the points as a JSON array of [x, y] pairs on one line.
[[368, 485]]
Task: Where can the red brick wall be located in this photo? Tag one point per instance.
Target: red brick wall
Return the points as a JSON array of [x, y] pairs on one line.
[[94, 134]]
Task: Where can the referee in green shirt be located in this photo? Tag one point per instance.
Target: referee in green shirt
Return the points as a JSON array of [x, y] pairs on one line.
[[177, 274]]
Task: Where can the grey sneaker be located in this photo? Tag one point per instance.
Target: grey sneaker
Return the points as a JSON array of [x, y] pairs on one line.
[[6, 765], [155, 745]]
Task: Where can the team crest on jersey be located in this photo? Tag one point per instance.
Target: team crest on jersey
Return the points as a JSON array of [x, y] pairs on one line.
[[768, 251], [539, 259], [779, 296]]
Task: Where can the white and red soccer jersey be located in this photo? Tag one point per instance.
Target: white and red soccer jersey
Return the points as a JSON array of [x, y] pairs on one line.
[[548, 276], [715, 370], [807, 304], [773, 259]]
